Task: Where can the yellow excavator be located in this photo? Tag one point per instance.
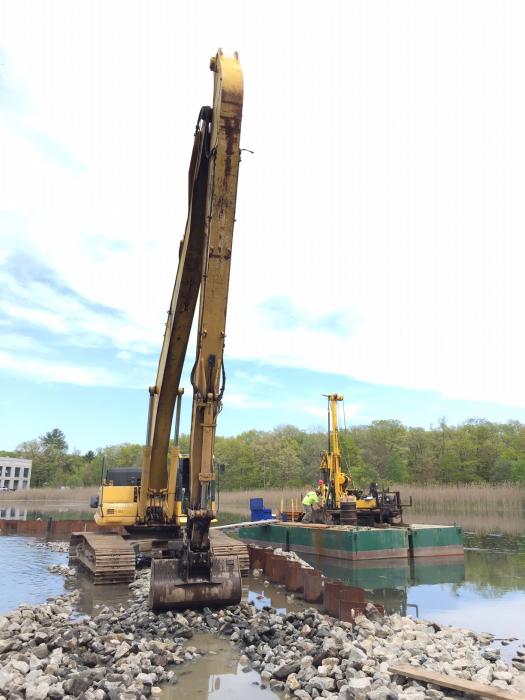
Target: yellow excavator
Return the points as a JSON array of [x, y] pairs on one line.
[[341, 501], [165, 509]]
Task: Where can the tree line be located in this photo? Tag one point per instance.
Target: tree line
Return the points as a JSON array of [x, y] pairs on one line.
[[385, 451]]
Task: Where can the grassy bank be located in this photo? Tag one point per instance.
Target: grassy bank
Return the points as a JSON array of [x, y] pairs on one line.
[[48, 496], [479, 507], [239, 501], [439, 499], [475, 499]]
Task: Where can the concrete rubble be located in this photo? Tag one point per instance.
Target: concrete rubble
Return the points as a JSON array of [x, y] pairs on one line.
[[61, 569], [49, 651], [50, 544]]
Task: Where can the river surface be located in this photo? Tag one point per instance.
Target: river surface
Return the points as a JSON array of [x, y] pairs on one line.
[[482, 591]]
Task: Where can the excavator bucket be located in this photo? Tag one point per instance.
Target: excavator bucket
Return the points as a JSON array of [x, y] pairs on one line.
[[168, 591]]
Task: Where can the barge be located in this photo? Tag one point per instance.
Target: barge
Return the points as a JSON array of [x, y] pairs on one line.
[[356, 543]]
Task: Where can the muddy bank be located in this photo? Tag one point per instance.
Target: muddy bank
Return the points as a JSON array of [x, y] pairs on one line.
[[130, 653]]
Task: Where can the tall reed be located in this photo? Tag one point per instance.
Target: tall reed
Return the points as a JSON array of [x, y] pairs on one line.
[[49, 496]]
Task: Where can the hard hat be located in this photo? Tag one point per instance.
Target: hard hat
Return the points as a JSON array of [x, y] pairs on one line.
[[321, 481]]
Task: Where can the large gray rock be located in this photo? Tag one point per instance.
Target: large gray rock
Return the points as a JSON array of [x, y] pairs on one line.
[[37, 692], [77, 684], [282, 672], [21, 666], [302, 695], [5, 678], [322, 683], [122, 650], [41, 651], [359, 683], [353, 653], [56, 691], [365, 625], [381, 693]]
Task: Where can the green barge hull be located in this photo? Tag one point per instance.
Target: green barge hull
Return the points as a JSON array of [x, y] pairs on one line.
[[358, 543]]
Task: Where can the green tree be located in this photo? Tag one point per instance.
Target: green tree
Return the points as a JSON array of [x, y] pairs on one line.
[[54, 438]]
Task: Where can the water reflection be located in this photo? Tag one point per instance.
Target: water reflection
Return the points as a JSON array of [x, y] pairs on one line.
[[25, 577], [93, 597], [217, 675], [65, 513], [507, 522], [13, 513], [483, 591]]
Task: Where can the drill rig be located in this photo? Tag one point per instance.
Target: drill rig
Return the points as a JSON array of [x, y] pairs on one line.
[[335, 481], [378, 506], [167, 506]]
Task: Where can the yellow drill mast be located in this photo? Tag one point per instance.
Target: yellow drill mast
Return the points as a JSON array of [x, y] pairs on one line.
[[334, 480]]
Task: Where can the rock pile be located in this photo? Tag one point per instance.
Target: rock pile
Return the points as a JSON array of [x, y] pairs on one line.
[[53, 546], [310, 655], [292, 556], [61, 569], [48, 651]]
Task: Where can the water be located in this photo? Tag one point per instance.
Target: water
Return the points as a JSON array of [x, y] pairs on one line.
[[25, 578], [482, 591], [218, 675]]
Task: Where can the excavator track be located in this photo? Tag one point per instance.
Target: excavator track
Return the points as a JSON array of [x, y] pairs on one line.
[[223, 545], [107, 558]]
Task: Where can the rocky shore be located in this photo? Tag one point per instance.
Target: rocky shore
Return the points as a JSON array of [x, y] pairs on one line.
[[49, 651]]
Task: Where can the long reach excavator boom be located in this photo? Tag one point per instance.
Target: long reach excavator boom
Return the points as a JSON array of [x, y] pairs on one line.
[[168, 506]]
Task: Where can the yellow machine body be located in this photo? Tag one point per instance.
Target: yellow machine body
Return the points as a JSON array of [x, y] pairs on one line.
[[118, 505], [335, 481], [366, 503]]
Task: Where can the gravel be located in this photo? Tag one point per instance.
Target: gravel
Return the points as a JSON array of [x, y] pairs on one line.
[[49, 651]]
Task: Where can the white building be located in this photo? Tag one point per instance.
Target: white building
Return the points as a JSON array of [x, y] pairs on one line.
[[13, 513], [15, 474]]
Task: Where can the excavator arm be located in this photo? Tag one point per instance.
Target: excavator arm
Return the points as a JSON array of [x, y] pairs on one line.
[[208, 375], [204, 265], [164, 393], [171, 505], [191, 574]]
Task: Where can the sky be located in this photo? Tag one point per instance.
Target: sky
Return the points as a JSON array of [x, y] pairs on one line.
[[379, 244]]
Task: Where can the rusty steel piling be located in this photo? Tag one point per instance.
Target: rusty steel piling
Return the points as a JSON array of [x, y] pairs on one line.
[[313, 585], [278, 569], [332, 589], [293, 579]]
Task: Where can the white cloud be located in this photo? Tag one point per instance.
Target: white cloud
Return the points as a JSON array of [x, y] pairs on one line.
[[350, 412], [45, 371], [393, 199], [15, 342], [243, 401], [316, 411], [255, 378]]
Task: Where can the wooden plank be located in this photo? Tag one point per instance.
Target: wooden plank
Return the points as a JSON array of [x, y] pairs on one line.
[[454, 683]]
